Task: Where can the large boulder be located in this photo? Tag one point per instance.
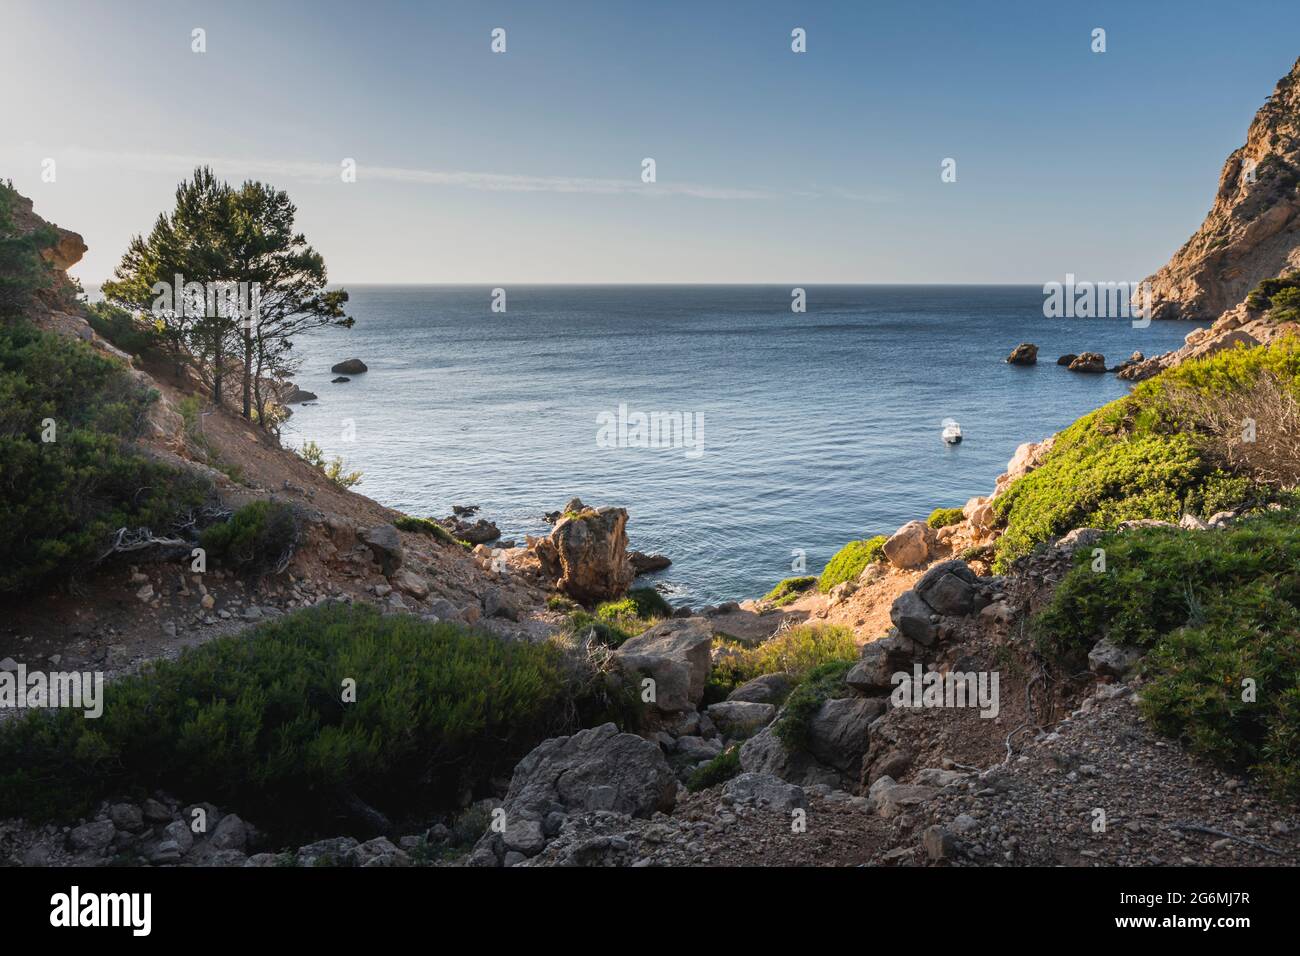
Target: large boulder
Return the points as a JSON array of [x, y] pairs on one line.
[[740, 718], [764, 753], [765, 791], [386, 545], [880, 661], [586, 554], [1026, 353], [910, 545], [595, 769], [837, 734], [949, 588], [912, 616], [764, 689], [676, 655], [352, 366]]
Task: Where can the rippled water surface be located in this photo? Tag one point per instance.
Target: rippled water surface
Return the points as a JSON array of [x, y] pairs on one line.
[[817, 427]]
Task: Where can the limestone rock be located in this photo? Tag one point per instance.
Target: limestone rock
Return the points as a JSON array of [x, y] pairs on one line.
[[676, 655], [910, 545], [1026, 353], [586, 554]]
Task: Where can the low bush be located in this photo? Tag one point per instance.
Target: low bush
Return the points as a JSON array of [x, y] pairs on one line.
[[1215, 608], [850, 561], [789, 590], [131, 335], [260, 538], [334, 469], [822, 683], [943, 517], [615, 622], [718, 770], [258, 722], [430, 527], [796, 652], [70, 479], [1171, 447]]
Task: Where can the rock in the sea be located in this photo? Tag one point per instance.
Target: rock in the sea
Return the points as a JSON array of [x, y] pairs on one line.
[[480, 531], [586, 554], [675, 654], [648, 563], [340, 380], [1066, 359], [910, 545], [296, 396], [352, 366], [1026, 353], [1088, 362]]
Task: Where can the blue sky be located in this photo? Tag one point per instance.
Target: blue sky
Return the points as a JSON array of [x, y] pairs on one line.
[[772, 166]]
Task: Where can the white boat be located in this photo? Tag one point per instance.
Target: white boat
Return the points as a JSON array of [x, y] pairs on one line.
[[951, 432]]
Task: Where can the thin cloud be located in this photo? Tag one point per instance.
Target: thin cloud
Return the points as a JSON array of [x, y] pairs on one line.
[[180, 164]]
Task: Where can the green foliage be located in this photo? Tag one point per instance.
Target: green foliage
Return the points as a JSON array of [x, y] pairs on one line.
[[558, 602], [258, 539], [430, 527], [718, 770], [789, 591], [795, 651], [1267, 293], [220, 234], [1216, 608], [256, 721], [614, 622], [582, 624], [822, 683], [63, 500], [850, 561], [131, 335], [22, 270], [333, 469], [943, 517]]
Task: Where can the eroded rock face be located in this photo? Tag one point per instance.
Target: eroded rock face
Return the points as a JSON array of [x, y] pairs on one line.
[[595, 769], [1252, 232], [386, 545], [586, 554]]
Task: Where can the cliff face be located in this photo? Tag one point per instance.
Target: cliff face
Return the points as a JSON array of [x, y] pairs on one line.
[[1253, 230]]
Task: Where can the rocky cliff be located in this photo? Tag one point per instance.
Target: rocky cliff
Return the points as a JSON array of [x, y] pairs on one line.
[[1253, 231]]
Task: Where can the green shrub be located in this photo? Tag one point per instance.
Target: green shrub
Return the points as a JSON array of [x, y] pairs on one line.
[[824, 682], [795, 652], [22, 269], [333, 468], [582, 624], [120, 327], [1214, 607], [1268, 292], [1156, 453], [850, 561], [789, 591], [63, 501], [258, 539], [257, 721], [718, 770], [943, 517], [430, 527]]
